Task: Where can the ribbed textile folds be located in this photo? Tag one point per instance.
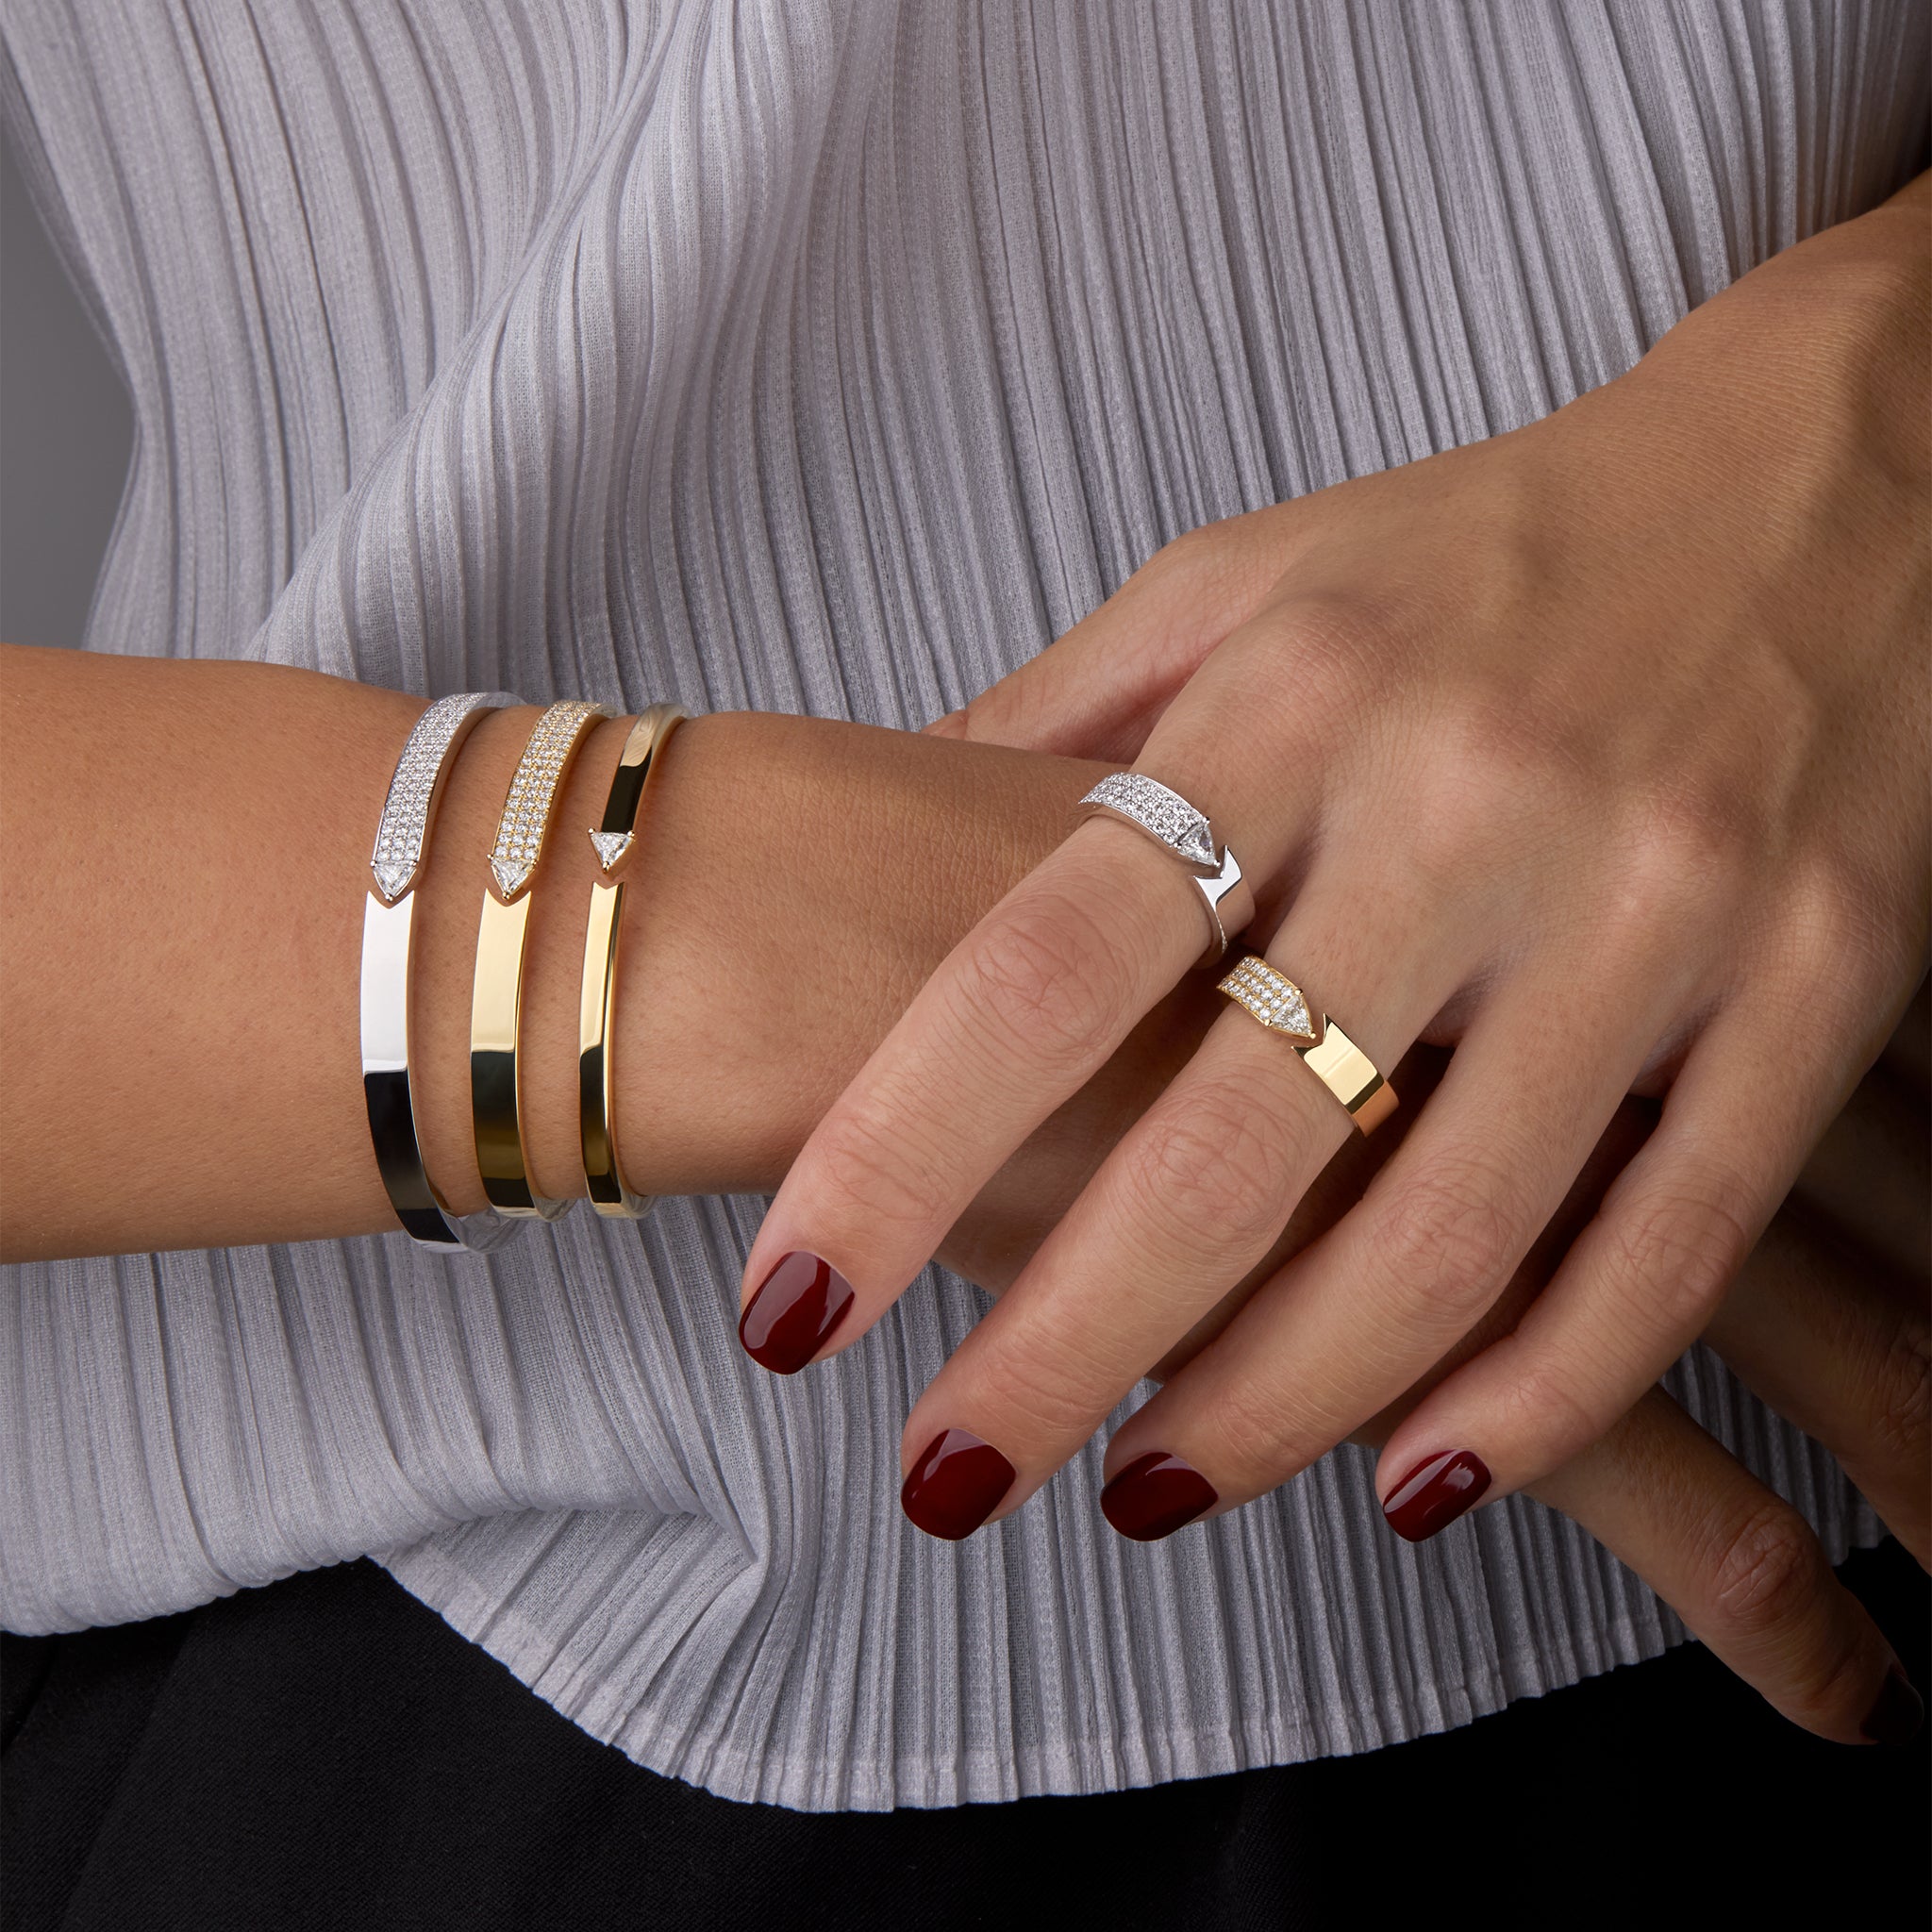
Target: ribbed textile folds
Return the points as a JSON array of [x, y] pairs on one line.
[[806, 356]]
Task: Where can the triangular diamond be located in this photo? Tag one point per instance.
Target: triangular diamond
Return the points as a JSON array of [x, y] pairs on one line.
[[1196, 844], [511, 879], [1294, 1018], [392, 875], [612, 846]]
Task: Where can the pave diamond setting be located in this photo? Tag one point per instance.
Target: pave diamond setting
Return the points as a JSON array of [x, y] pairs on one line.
[[403, 835], [1160, 813], [520, 831], [1272, 998]]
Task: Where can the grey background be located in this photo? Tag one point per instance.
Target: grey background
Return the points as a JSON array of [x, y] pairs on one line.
[[66, 433]]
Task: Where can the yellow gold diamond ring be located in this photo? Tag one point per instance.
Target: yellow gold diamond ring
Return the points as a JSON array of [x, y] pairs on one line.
[[1340, 1065]]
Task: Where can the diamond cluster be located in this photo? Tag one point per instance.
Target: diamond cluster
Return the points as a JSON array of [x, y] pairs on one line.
[[533, 791], [1165, 814], [404, 832], [1273, 998]]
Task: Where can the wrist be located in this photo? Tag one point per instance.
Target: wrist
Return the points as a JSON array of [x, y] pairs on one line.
[[793, 883], [1808, 375], [801, 880]]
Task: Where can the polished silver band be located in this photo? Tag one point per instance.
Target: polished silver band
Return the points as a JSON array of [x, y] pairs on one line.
[[402, 846], [1172, 822]]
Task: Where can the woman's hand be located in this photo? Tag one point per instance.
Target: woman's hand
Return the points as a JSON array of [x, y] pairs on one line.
[[1828, 1321], [1598, 750]]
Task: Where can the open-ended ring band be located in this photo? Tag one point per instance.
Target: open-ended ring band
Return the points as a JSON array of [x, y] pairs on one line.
[[1342, 1066], [597, 1001], [402, 845], [496, 997], [1170, 821]]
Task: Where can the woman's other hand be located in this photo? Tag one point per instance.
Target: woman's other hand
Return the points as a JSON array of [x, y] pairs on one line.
[[1598, 750]]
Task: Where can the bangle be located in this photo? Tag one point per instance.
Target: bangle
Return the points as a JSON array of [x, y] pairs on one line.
[[596, 1003], [496, 998], [402, 845]]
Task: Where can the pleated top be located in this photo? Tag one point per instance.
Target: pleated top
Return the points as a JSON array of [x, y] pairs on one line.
[[830, 358]]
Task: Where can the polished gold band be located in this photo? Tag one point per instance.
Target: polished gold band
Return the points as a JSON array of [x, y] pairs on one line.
[[497, 996], [1342, 1066], [597, 999]]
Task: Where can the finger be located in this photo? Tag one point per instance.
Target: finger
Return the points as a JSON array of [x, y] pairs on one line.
[[1845, 1356], [1099, 689], [1341, 1332], [1195, 1195], [1015, 1020], [1909, 1052], [1742, 1568], [1870, 1178], [1640, 1284]]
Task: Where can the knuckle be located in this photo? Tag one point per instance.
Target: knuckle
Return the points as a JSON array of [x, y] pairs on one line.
[[1036, 1403], [1548, 1409], [1042, 983], [872, 1172], [1901, 1429], [1685, 845], [1252, 1437], [1451, 1233], [1765, 1571], [1331, 652], [1215, 1170], [1674, 1252]]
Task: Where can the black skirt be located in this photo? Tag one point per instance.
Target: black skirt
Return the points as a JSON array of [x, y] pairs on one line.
[[329, 1753]]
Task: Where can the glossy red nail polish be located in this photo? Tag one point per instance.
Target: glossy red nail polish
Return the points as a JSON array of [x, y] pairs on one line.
[[956, 1485], [1898, 1713], [1155, 1495], [793, 1313], [1434, 1493]]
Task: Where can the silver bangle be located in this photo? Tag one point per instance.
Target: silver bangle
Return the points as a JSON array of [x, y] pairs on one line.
[[402, 845], [1172, 822]]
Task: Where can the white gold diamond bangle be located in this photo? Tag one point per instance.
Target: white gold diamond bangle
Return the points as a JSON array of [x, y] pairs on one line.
[[1172, 822], [1339, 1064], [637, 766], [496, 998], [402, 845]]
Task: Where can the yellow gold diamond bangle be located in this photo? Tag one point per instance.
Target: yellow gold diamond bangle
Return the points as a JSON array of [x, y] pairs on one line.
[[1343, 1067], [643, 751], [388, 914], [497, 996]]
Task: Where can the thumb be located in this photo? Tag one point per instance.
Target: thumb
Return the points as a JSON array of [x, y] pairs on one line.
[[1097, 691]]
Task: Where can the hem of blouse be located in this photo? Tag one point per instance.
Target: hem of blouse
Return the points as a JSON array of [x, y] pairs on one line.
[[1076, 1765]]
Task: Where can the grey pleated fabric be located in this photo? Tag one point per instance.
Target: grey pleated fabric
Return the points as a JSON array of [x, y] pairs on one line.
[[822, 359]]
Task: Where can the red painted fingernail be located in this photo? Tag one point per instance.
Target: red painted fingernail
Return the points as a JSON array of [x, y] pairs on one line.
[[796, 1307], [1895, 1717], [1155, 1494], [956, 1485], [1434, 1493]]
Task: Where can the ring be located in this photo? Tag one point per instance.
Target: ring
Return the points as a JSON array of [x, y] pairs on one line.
[[1172, 822], [1340, 1065]]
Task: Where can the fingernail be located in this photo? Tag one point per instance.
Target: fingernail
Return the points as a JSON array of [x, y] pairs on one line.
[[1155, 1494], [1434, 1493], [796, 1307], [1895, 1717], [956, 1485]]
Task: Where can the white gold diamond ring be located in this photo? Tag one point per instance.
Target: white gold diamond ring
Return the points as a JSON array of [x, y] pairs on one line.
[[1169, 820]]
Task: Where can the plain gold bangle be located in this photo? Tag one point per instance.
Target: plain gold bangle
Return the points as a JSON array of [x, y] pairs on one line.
[[496, 997], [597, 999]]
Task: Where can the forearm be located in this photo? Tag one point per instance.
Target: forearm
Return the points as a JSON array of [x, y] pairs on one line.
[[189, 845]]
